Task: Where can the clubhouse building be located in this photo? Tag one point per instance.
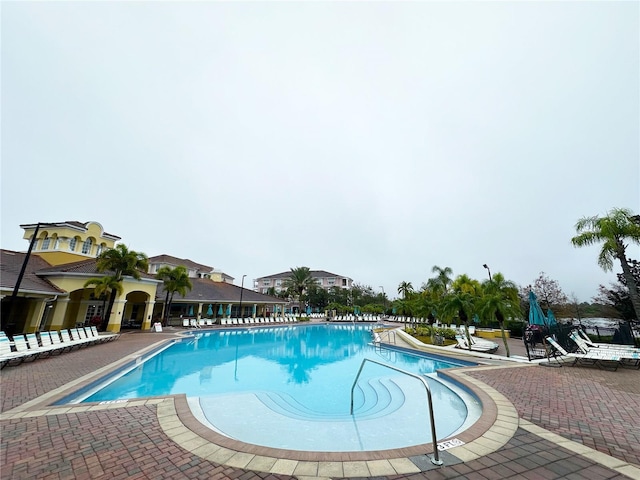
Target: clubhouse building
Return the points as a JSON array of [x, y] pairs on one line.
[[43, 289]]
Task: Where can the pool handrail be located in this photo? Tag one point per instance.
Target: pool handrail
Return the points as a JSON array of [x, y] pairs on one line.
[[436, 458]]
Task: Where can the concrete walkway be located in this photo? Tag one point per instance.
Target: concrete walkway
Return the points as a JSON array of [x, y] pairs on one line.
[[538, 423]]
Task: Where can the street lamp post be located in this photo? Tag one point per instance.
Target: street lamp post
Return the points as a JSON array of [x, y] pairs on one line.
[[487, 267], [241, 291]]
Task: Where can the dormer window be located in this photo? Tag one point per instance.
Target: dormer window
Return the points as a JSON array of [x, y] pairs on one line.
[[86, 246], [45, 243], [72, 244]]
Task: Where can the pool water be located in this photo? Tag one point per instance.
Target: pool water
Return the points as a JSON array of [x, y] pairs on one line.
[[273, 385]]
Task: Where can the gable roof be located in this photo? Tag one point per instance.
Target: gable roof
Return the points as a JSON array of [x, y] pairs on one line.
[[185, 262], [207, 291], [10, 266], [82, 267], [314, 274]]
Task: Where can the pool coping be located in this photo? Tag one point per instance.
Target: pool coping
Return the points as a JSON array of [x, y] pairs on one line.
[[496, 425]]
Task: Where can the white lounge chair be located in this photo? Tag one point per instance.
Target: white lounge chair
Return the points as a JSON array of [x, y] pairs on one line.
[[71, 342], [629, 356], [603, 359], [584, 343], [9, 356]]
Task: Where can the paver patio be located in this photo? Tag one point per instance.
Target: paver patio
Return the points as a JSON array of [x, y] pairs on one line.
[[572, 423]]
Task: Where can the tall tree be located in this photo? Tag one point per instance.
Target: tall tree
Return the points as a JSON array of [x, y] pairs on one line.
[[176, 280], [615, 231], [102, 287], [462, 304], [500, 300], [443, 277], [548, 291], [405, 289], [121, 262], [299, 281]]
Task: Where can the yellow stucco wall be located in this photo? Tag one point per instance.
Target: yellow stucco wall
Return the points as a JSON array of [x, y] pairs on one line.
[[133, 291], [63, 254]]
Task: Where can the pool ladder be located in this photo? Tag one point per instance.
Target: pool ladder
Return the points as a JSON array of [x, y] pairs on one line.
[[436, 457], [389, 334]]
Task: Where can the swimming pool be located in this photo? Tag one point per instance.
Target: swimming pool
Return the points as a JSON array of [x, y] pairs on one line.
[[290, 387]]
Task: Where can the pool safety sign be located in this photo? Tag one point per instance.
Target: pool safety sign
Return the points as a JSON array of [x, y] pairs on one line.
[[157, 327], [454, 442]]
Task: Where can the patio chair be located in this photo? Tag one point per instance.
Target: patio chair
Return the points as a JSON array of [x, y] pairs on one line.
[[103, 337], [71, 343], [21, 345], [56, 340], [601, 359], [9, 356], [185, 322], [629, 356], [582, 339], [46, 348]]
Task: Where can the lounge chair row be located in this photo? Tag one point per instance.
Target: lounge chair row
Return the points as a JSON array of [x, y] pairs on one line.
[[260, 320], [606, 358], [30, 346]]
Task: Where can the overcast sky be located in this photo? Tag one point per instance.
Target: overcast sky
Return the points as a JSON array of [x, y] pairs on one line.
[[372, 140]]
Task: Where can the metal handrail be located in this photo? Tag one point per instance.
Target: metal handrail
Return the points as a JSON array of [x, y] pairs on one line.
[[436, 458]]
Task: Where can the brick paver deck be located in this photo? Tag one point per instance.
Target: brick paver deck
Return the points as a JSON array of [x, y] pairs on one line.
[[573, 423]]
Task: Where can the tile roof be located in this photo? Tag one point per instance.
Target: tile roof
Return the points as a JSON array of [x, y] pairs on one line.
[[207, 291], [88, 267], [185, 262], [314, 274], [10, 266]]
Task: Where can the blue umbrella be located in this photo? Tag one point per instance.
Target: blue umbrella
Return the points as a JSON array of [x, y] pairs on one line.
[[308, 309], [220, 310], [536, 315], [190, 310], [229, 309], [210, 310], [254, 309], [551, 318]]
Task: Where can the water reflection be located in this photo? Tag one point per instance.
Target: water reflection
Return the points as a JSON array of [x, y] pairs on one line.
[[310, 363]]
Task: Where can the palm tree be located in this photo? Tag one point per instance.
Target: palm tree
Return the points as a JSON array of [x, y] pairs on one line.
[[299, 281], [405, 289], [176, 280], [613, 230], [443, 278], [463, 298], [501, 300], [461, 303], [121, 262], [103, 286]]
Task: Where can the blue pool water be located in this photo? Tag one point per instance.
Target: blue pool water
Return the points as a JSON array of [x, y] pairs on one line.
[[270, 385]]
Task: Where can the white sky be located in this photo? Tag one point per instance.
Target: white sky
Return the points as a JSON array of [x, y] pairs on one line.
[[369, 139]]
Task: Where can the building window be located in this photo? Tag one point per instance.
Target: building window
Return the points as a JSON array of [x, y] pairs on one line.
[[266, 282], [278, 283], [56, 245], [331, 281], [45, 243], [93, 312], [99, 249], [344, 282], [72, 244], [86, 246], [319, 281]]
